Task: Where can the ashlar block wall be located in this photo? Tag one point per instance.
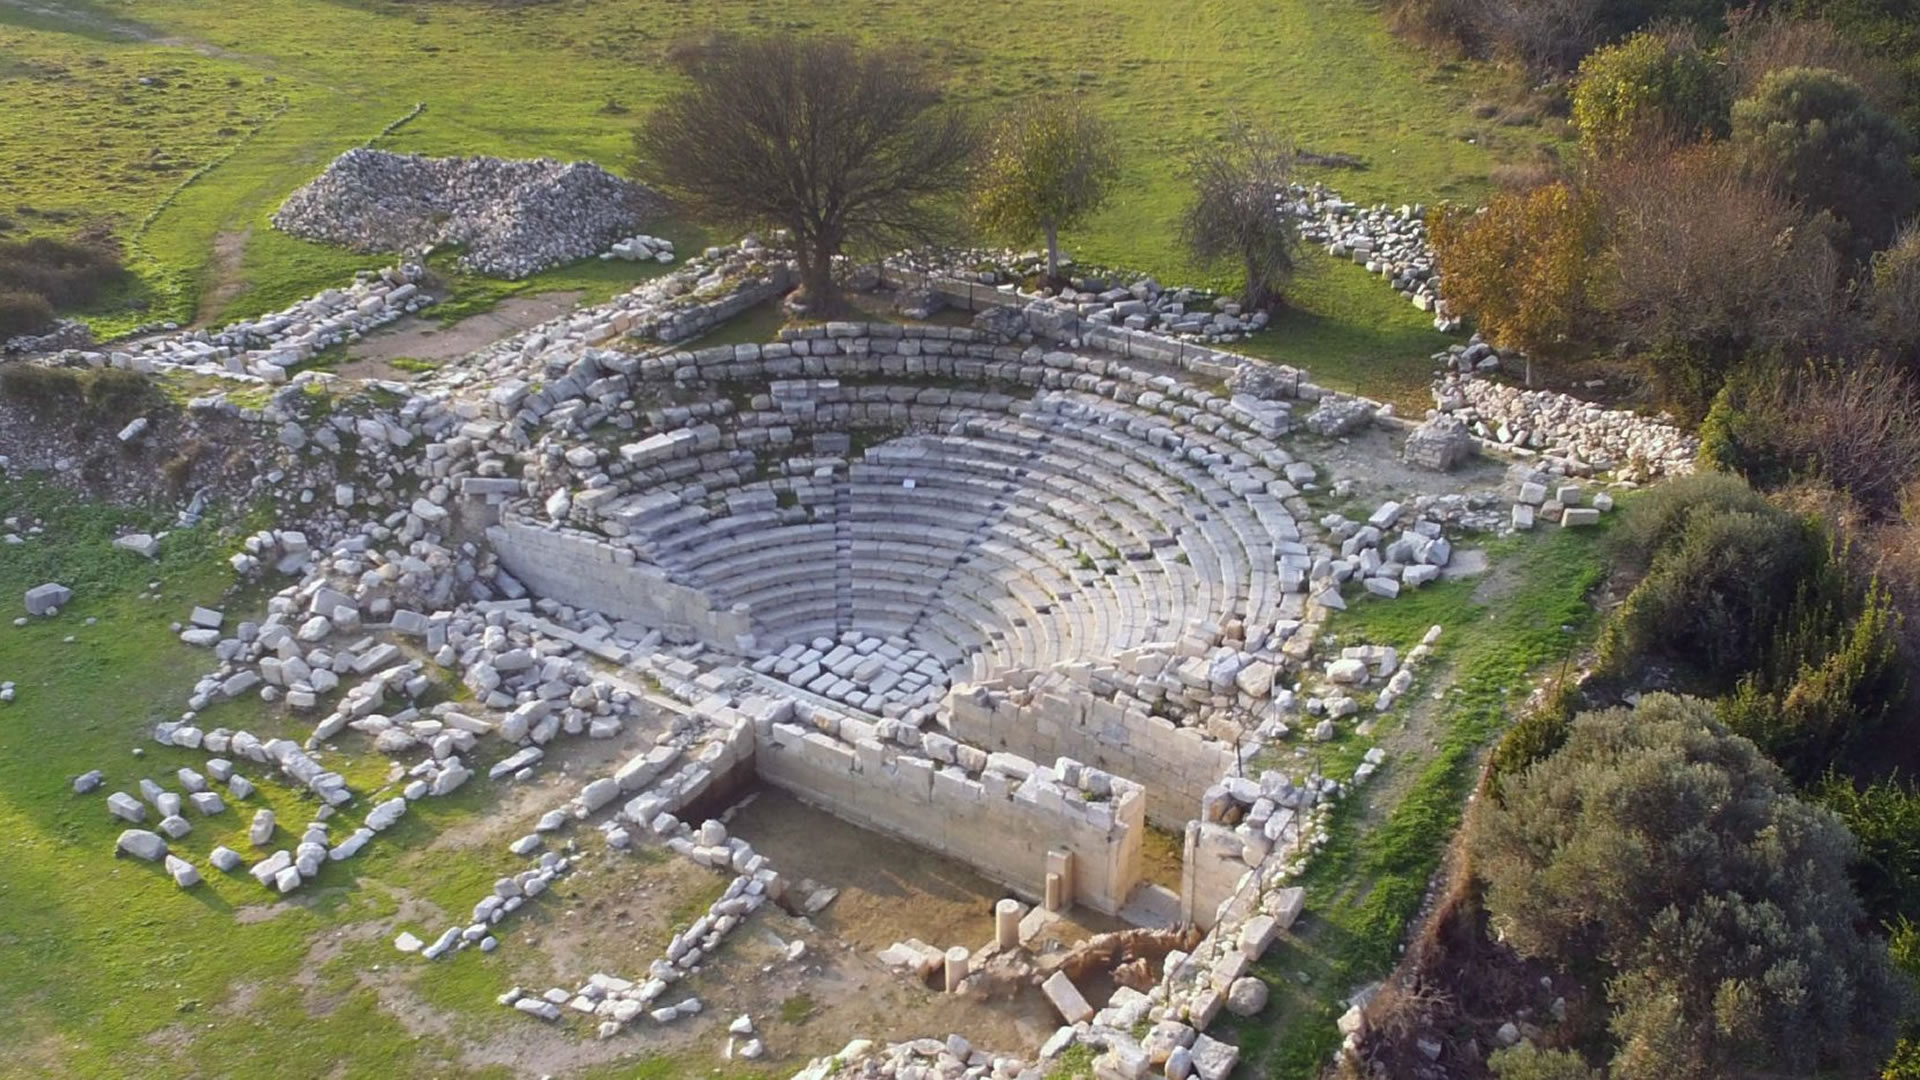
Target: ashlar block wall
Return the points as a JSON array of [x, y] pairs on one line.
[[585, 571], [1175, 765], [1002, 818]]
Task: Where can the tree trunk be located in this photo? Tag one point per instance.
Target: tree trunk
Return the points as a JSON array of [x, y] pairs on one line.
[[1053, 252], [817, 287], [1255, 294]]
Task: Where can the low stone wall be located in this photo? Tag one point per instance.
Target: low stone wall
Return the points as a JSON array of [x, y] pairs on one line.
[[1059, 718], [1000, 814], [578, 569]]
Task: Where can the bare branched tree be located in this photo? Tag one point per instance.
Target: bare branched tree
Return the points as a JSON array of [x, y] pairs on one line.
[[1893, 298], [844, 147], [1700, 254], [1239, 210]]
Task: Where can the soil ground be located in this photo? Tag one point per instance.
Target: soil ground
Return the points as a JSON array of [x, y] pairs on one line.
[[419, 337]]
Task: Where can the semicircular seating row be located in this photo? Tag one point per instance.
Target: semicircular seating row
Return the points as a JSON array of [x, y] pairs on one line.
[[1069, 526]]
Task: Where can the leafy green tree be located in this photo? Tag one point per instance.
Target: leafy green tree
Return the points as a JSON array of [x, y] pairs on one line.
[[1812, 132], [1239, 214], [1650, 87], [1045, 168], [1675, 855]]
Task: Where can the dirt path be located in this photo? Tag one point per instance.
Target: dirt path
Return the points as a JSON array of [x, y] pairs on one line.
[[420, 338], [224, 280]]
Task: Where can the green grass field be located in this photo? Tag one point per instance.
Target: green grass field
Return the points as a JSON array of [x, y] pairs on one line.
[[181, 124], [112, 971]]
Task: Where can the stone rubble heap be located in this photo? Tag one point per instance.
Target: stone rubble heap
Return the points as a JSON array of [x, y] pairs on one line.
[[263, 348], [1389, 242], [513, 218], [64, 334], [1567, 436], [640, 249], [1110, 298]]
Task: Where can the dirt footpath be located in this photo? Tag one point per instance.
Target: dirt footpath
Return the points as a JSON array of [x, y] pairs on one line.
[[421, 338]]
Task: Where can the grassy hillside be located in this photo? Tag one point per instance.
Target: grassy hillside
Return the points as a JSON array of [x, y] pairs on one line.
[[183, 124]]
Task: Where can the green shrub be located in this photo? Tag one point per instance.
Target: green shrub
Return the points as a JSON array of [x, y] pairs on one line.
[[1884, 817], [1536, 735], [1830, 679], [65, 274], [1714, 594], [1813, 132], [1651, 86], [23, 313], [32, 384], [1527, 1062], [1740, 434], [117, 396], [1653, 518], [1674, 855]]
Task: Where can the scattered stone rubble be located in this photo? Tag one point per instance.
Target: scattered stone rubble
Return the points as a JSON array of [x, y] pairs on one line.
[[262, 350], [513, 218], [1565, 435], [1389, 242], [640, 249]]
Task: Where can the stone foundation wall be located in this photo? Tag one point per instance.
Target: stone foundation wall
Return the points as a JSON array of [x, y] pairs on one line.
[[1174, 764], [575, 568], [1002, 818], [1212, 868]]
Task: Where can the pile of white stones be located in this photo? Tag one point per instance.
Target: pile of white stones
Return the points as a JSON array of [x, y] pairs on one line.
[[640, 249], [1569, 436], [514, 218], [1412, 559], [1390, 242]]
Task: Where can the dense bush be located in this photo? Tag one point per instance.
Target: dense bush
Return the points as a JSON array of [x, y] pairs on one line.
[[1813, 133], [1526, 1062], [32, 384], [1854, 426], [66, 274], [23, 313], [1705, 267], [1760, 43], [1650, 88], [1520, 267], [1654, 518], [1675, 855], [1884, 817], [1829, 680], [1893, 299], [110, 395], [1712, 597], [1886, 29], [1545, 37]]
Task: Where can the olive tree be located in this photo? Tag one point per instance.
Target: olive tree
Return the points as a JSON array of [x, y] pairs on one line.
[[1814, 133], [1675, 855], [842, 146], [1045, 167], [1239, 212]]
